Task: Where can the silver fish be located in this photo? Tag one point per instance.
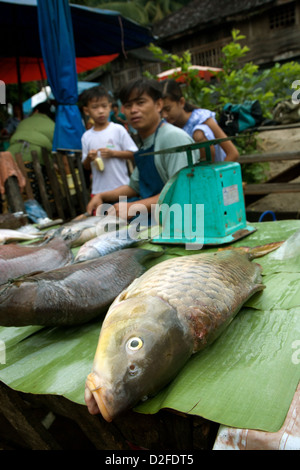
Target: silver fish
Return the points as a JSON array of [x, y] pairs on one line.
[[174, 310], [107, 243], [79, 232], [8, 235]]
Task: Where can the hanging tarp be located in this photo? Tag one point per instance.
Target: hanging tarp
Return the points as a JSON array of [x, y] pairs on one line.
[[58, 50]]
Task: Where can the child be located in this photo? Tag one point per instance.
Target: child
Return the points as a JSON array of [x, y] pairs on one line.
[[142, 101], [107, 140], [199, 123]]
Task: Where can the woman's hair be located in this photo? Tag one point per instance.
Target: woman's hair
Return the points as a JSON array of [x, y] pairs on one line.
[[44, 108], [172, 90], [140, 86]]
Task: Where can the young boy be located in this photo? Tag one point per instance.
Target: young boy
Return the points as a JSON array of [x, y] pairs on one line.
[[142, 101], [105, 140]]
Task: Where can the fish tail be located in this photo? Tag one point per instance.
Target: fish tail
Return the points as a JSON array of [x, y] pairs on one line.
[[256, 251], [261, 250]]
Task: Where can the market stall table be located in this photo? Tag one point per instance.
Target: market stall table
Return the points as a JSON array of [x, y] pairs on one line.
[[246, 379]]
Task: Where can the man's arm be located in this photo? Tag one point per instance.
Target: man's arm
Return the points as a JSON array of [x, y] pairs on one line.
[[110, 197], [128, 210]]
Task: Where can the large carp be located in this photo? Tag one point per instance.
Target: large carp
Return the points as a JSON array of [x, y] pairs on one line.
[[172, 311], [18, 260], [73, 294]]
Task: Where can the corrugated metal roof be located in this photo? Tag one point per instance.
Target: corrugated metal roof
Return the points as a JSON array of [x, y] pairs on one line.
[[200, 12]]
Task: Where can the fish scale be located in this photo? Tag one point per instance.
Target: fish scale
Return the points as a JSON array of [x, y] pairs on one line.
[[171, 286]]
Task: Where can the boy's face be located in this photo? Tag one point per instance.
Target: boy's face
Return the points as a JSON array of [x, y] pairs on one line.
[[98, 109], [142, 113]]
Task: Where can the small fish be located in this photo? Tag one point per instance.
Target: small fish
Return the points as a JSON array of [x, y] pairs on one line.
[[18, 260], [107, 243], [8, 235], [172, 311], [79, 232], [73, 294]]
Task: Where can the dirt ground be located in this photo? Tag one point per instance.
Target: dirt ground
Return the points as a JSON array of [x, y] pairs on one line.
[[279, 141]]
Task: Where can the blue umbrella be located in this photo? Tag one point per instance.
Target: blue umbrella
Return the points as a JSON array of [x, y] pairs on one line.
[[44, 95], [58, 50]]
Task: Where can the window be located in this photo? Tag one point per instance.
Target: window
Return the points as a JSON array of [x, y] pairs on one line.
[[283, 16]]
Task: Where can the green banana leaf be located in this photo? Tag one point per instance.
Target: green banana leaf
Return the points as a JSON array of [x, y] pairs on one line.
[[246, 379]]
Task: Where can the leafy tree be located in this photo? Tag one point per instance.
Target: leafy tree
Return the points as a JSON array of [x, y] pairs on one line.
[[145, 12], [235, 84]]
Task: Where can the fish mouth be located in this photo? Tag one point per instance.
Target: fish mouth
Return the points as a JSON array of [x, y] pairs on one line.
[[97, 394]]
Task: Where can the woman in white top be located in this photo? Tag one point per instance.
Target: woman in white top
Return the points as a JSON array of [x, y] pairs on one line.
[[199, 123]]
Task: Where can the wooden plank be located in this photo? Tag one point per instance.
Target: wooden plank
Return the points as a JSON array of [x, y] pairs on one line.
[[41, 183], [54, 183], [286, 175], [32, 432], [28, 189], [269, 157], [78, 192], [268, 188], [13, 195], [82, 179], [59, 160], [103, 435]]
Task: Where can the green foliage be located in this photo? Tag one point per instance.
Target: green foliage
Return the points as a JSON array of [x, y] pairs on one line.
[[235, 84], [144, 12]]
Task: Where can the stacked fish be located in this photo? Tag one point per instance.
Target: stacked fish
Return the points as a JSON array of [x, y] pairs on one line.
[[168, 313], [42, 285]]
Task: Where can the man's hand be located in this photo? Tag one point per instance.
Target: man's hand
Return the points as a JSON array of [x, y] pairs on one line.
[[119, 209], [94, 203]]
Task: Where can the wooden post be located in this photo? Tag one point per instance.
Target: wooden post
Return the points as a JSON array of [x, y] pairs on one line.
[[82, 179], [65, 183], [76, 184], [13, 195], [41, 183], [54, 184]]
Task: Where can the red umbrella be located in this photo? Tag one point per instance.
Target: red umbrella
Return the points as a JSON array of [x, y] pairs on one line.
[[32, 68], [204, 72]]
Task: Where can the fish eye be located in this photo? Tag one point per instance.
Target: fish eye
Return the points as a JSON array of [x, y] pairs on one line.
[[135, 343]]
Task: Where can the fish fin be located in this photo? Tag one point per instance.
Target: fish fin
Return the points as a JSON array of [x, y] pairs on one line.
[[144, 254], [255, 251], [25, 277]]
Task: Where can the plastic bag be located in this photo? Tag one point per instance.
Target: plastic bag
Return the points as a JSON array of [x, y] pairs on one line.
[[236, 118], [34, 211]]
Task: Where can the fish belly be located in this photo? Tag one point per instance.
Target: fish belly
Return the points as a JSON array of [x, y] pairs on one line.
[[18, 260]]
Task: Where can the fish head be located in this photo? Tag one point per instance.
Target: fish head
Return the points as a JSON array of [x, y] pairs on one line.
[[142, 346]]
